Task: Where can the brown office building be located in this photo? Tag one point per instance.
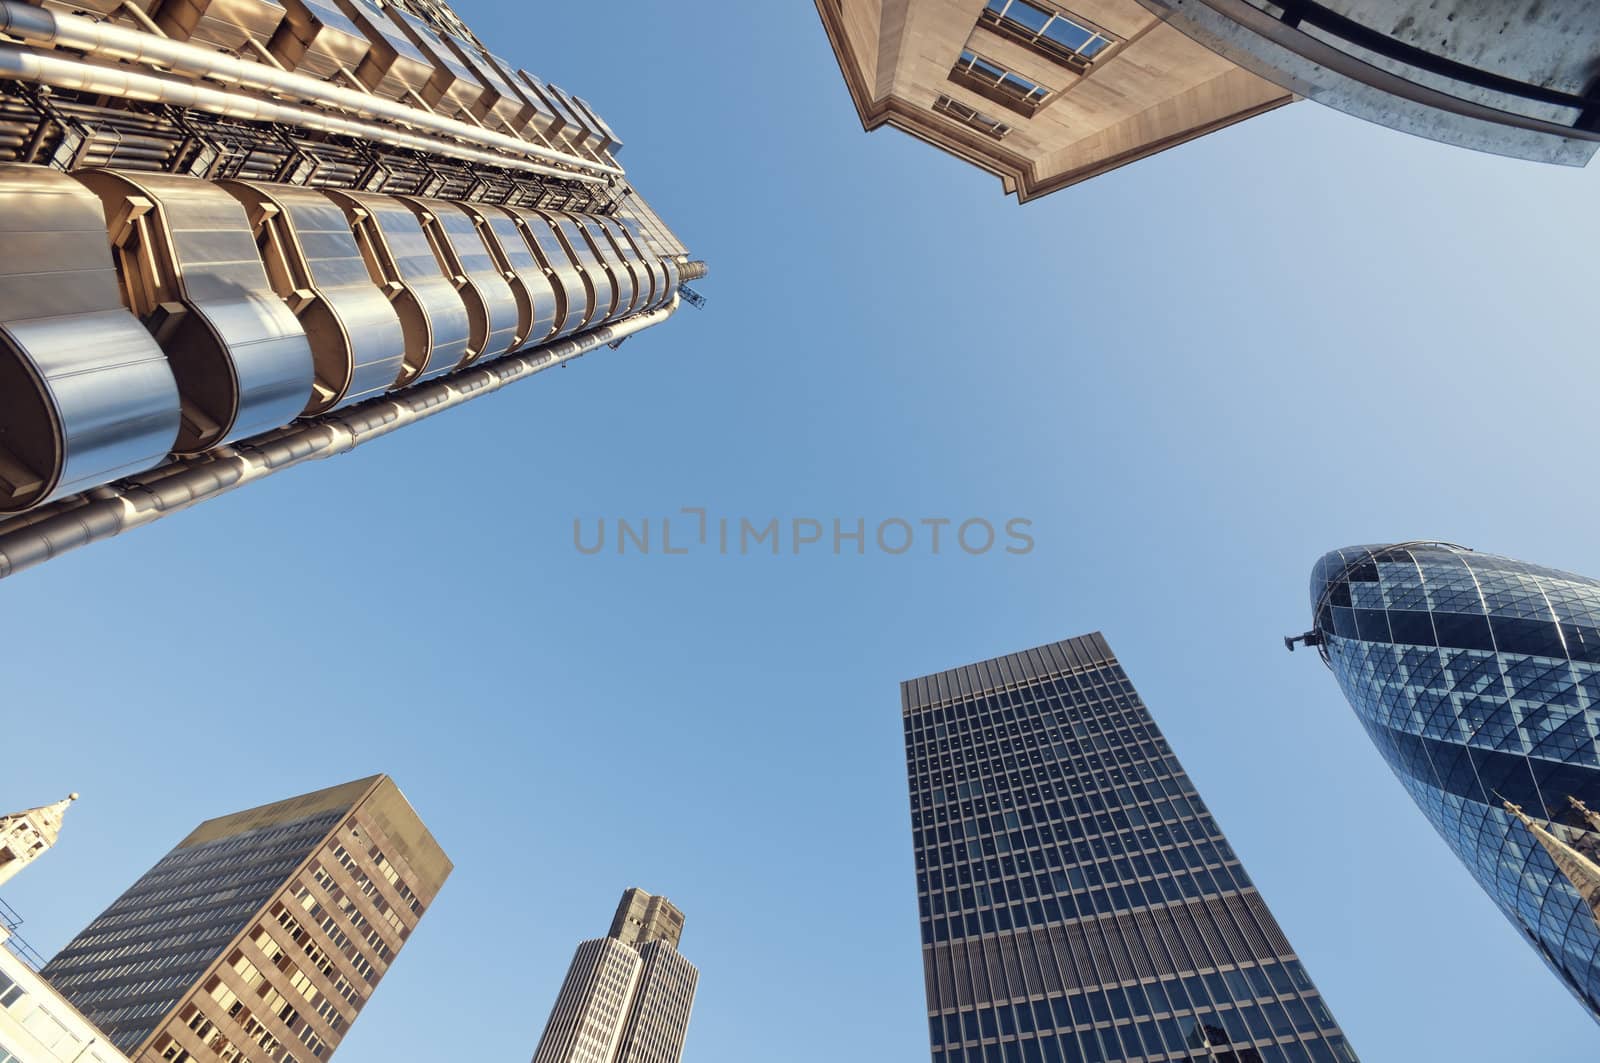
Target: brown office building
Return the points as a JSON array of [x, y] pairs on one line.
[[1046, 93], [1039, 97], [263, 934]]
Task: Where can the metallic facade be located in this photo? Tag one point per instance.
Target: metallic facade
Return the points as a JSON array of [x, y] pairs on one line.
[[1478, 678], [628, 996], [375, 202], [262, 934], [1078, 902]]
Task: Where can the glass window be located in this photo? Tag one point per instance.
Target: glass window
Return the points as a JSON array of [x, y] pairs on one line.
[[1062, 37], [995, 82], [974, 118]]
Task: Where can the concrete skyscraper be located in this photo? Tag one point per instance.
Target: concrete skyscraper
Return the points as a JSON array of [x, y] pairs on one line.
[[1078, 902], [262, 934], [627, 996], [1478, 679], [1047, 93], [376, 220]]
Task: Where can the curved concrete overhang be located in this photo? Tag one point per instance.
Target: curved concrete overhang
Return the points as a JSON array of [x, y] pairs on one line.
[[1404, 88]]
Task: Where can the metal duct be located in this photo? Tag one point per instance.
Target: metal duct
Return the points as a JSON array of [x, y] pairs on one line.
[[105, 512], [105, 39], [46, 68]]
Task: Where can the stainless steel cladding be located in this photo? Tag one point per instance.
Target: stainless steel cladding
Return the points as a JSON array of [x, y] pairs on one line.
[[272, 221], [609, 237], [602, 290], [622, 277], [399, 257], [465, 259], [674, 277], [231, 24], [500, 103], [318, 39], [638, 253], [190, 268], [453, 89], [574, 295], [102, 7], [533, 290], [315, 264], [394, 68], [533, 120], [86, 396]]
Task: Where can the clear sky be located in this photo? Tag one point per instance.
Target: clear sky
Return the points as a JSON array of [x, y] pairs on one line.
[[1193, 375]]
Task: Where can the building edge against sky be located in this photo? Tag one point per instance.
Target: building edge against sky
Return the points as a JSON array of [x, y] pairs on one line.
[[1078, 903], [37, 1025], [1046, 94], [264, 930], [1478, 679], [1042, 103], [628, 996], [379, 220]]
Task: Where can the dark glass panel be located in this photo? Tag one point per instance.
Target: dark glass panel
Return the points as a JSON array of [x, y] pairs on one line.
[[1372, 625], [1465, 631], [1538, 638], [1344, 622], [1411, 628]]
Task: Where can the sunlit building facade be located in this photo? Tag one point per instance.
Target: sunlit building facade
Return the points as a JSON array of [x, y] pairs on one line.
[[1478, 679], [1041, 95], [1047, 93], [263, 934], [37, 1025], [1078, 902], [244, 234], [628, 996]]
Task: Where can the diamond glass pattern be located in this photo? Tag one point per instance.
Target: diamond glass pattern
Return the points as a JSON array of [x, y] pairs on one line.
[[1478, 677]]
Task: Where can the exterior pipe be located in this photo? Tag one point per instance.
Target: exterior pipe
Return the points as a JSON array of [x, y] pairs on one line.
[[48, 68], [131, 503], [105, 39]]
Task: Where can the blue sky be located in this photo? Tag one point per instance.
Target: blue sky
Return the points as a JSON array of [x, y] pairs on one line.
[[1193, 375]]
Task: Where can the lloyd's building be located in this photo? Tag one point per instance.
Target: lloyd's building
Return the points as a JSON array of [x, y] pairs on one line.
[[236, 235]]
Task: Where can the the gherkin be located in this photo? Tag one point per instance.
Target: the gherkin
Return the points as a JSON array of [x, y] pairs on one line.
[[1478, 677]]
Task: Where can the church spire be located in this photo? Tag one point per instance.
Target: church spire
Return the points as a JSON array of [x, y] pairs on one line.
[[1583, 873], [25, 835]]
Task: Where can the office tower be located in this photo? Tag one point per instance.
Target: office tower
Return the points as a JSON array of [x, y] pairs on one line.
[[376, 219], [36, 1024], [1078, 902], [1478, 678], [262, 934], [1045, 94], [627, 996]]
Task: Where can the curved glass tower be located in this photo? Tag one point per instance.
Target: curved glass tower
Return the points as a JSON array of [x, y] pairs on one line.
[[1478, 677]]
